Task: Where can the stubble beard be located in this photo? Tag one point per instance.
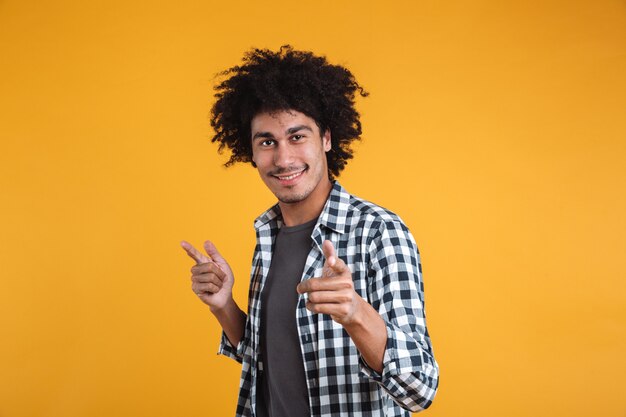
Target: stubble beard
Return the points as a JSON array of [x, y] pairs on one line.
[[294, 198], [288, 198]]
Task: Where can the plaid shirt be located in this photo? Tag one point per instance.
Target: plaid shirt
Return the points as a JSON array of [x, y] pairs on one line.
[[384, 260]]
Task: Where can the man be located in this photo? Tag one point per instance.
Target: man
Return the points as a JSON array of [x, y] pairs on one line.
[[335, 322]]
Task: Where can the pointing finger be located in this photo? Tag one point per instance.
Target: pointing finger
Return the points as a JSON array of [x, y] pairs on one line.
[[194, 253], [329, 253], [332, 260]]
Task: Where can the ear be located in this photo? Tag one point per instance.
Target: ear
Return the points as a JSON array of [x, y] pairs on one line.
[[326, 141], [251, 157]]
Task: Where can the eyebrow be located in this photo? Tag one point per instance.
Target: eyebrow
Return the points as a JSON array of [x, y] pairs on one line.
[[295, 129], [289, 131]]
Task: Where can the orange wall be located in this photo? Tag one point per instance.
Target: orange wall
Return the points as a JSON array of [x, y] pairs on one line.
[[496, 130]]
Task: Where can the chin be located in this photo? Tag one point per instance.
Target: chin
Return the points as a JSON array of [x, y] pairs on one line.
[[290, 199], [293, 197]]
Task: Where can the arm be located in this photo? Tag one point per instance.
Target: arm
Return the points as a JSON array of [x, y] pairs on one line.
[[410, 373], [369, 334], [232, 320], [338, 298], [390, 333]]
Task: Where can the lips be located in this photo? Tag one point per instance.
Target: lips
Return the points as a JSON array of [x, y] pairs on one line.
[[290, 177]]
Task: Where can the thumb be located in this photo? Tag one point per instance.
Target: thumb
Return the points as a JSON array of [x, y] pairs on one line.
[[212, 251]]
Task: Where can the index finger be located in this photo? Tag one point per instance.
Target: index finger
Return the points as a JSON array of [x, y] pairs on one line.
[[194, 253], [334, 262], [329, 252]]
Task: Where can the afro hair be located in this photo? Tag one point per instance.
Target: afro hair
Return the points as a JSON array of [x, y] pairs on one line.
[[288, 79]]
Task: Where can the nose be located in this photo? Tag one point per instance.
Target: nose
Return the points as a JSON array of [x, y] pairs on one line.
[[283, 155]]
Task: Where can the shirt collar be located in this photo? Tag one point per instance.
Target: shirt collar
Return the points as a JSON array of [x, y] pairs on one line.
[[333, 216]]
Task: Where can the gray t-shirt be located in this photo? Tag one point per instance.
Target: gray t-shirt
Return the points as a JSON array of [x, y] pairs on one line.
[[282, 386]]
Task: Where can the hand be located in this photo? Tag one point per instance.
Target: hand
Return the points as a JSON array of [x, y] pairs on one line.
[[212, 279], [333, 293]]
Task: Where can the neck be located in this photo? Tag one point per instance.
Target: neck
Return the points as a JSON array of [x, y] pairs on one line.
[[307, 209]]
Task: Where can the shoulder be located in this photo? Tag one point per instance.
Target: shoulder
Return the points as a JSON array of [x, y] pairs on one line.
[[384, 235], [363, 212], [381, 230], [361, 220]]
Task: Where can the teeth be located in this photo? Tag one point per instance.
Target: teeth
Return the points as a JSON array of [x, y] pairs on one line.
[[290, 177]]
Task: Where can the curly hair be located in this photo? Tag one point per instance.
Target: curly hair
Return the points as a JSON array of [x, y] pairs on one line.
[[288, 79]]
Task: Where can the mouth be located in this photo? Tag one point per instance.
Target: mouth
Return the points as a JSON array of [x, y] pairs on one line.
[[291, 177]]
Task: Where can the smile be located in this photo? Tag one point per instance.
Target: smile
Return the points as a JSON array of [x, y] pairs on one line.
[[291, 176]]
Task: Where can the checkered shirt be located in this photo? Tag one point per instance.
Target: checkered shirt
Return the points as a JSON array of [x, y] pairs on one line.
[[384, 260]]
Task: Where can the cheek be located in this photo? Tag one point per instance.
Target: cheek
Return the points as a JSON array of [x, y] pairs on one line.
[[259, 159]]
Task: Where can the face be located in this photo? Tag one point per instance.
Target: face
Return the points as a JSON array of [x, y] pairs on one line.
[[290, 155]]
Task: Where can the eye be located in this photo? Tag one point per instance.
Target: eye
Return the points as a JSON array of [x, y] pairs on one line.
[[267, 142], [297, 137]]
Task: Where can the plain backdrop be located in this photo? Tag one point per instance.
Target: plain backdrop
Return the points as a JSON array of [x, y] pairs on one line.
[[495, 129]]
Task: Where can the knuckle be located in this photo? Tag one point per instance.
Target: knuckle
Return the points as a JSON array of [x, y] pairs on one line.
[[216, 270]]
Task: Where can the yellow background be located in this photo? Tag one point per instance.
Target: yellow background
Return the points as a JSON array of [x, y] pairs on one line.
[[495, 129]]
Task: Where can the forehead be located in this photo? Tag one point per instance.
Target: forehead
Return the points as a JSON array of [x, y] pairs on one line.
[[279, 121]]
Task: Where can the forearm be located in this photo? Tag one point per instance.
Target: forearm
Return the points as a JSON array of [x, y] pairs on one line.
[[369, 333], [232, 320], [401, 364]]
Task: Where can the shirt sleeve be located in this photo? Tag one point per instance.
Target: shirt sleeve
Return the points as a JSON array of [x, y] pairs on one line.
[[410, 373], [229, 350]]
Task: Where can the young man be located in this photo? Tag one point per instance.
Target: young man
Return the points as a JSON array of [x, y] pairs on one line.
[[335, 322]]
